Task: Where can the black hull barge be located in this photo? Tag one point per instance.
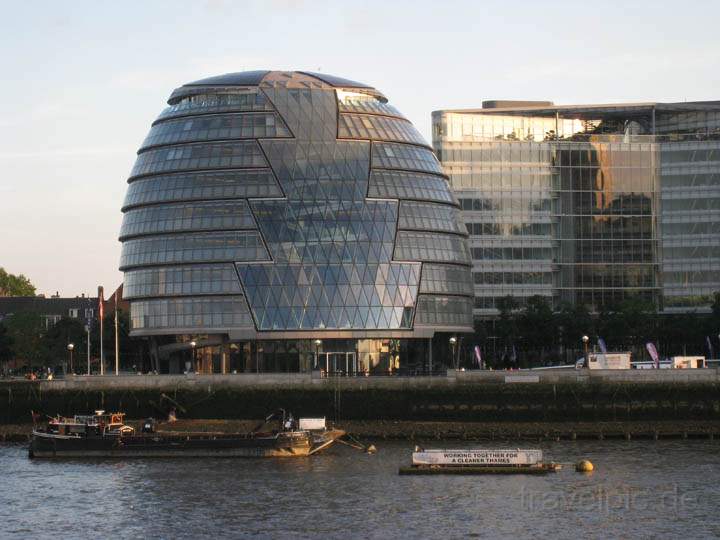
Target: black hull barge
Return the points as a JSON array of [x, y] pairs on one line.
[[106, 436]]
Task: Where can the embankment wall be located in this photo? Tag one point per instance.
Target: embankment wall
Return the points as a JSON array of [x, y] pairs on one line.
[[546, 396]]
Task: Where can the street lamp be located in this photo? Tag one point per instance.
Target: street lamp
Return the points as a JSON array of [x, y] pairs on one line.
[[453, 343], [585, 341], [317, 342], [193, 344], [70, 347]]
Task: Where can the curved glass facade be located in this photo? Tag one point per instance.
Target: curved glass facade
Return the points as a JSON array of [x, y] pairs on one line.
[[288, 206]]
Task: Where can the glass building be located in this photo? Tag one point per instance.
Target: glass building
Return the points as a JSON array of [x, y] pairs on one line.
[[290, 221], [588, 204]]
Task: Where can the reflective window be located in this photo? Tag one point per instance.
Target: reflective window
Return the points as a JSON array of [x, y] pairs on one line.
[[196, 279], [250, 100], [349, 101], [422, 246], [446, 279], [320, 170], [430, 217], [334, 231], [195, 247], [404, 156], [443, 310], [216, 127], [387, 184], [331, 296], [378, 128], [237, 184], [199, 156], [196, 216], [181, 313]]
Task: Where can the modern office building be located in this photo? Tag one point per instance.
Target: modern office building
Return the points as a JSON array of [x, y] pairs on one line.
[[285, 221], [588, 203]]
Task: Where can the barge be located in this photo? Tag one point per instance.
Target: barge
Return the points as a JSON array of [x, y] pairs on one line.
[[479, 461], [104, 435]]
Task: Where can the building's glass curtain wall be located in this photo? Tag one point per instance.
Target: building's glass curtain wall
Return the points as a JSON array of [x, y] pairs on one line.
[[293, 206], [588, 204]]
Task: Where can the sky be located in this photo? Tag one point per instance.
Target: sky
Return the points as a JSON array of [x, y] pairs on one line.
[[82, 81]]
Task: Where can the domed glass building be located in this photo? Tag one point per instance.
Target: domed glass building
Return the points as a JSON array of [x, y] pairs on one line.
[[292, 221]]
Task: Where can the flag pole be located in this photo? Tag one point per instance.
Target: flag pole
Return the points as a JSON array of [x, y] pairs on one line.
[[117, 342], [101, 312]]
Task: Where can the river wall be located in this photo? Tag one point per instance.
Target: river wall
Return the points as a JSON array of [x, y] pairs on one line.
[[547, 396]]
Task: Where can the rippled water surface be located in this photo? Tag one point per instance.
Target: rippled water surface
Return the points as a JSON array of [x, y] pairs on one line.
[[641, 489]]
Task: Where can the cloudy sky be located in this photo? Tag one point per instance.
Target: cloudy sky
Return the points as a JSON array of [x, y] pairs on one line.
[[83, 80]]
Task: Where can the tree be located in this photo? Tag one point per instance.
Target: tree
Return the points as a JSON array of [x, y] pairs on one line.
[[538, 327], [55, 341], [574, 321], [11, 285], [506, 326], [26, 331], [6, 342]]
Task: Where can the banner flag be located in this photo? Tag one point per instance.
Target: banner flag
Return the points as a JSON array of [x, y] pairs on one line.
[[601, 344], [653, 353], [478, 356], [710, 347]]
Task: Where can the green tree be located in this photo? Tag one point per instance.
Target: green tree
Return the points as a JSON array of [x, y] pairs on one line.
[[26, 331], [6, 342], [506, 325], [55, 341], [574, 321], [11, 285], [538, 327]]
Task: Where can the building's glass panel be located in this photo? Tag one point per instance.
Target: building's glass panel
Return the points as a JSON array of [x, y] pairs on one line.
[[336, 231], [378, 128], [237, 184], [181, 313], [189, 280], [442, 310], [199, 156], [690, 219], [569, 196], [429, 217], [195, 247], [352, 295], [405, 157], [320, 171], [249, 100], [195, 216], [216, 127], [364, 103], [386, 184], [425, 246], [445, 279]]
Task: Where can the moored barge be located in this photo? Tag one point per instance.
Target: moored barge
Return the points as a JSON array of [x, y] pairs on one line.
[[104, 435]]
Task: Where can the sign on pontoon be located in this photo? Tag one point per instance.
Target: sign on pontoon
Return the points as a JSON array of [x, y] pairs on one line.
[[477, 457]]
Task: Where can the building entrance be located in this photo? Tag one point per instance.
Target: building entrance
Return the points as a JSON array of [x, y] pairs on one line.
[[338, 363]]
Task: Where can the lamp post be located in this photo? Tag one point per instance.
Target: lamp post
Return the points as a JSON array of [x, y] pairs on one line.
[[87, 329], [317, 342], [453, 343], [70, 347], [193, 344], [585, 341]]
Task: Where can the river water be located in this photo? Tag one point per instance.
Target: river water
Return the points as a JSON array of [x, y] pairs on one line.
[[639, 489]]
